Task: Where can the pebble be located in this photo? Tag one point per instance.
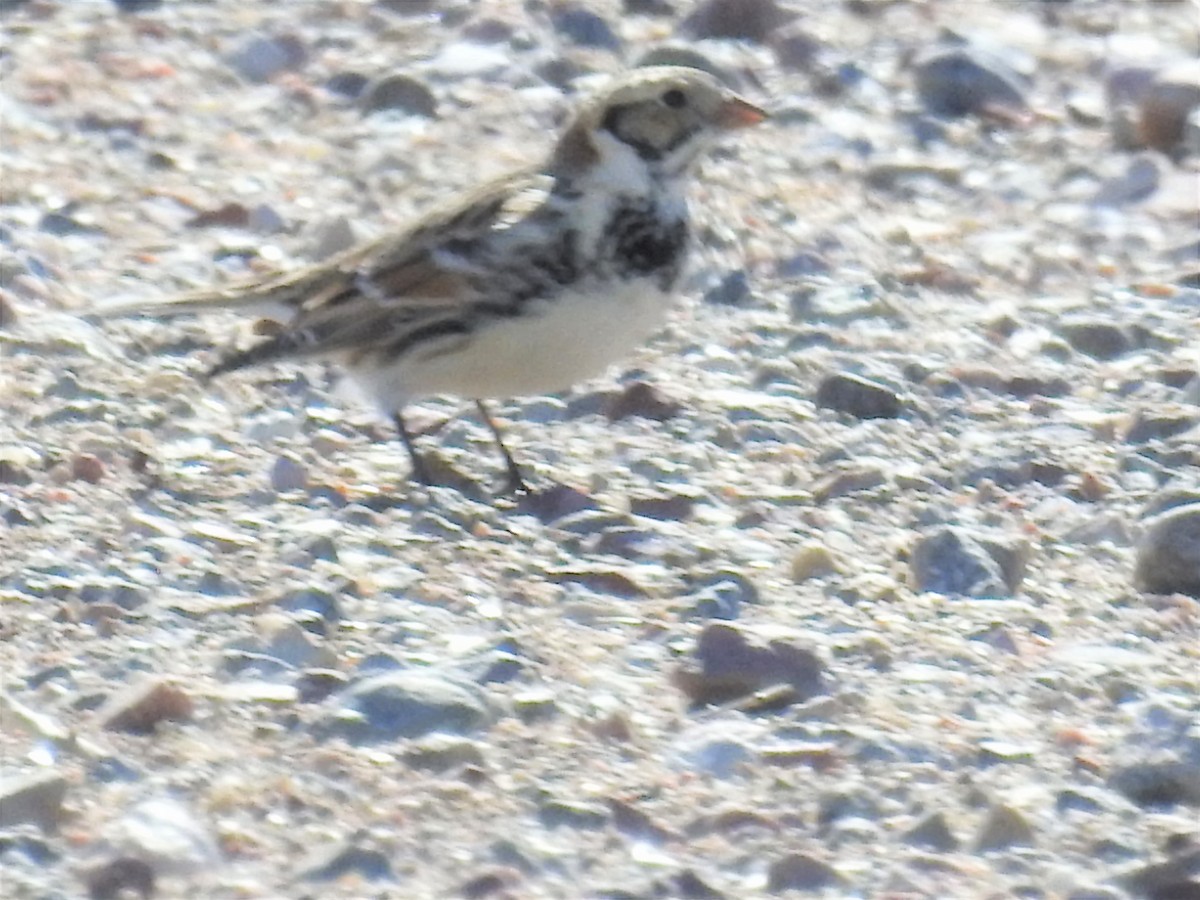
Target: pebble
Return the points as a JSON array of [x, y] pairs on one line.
[[746, 20], [407, 703], [969, 80], [87, 467], [953, 560], [642, 400], [584, 27], [166, 835], [259, 59], [1096, 338], [1168, 553], [399, 92], [348, 860], [1169, 99], [36, 798], [1004, 827], [140, 707], [732, 289], [858, 396], [288, 473], [728, 664], [933, 831], [801, 872]]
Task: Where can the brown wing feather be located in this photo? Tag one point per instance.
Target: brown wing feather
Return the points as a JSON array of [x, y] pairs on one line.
[[401, 283]]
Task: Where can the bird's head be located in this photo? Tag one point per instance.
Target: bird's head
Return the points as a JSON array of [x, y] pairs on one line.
[[657, 119]]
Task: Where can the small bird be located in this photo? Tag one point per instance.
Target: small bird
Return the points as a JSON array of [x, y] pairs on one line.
[[526, 285]]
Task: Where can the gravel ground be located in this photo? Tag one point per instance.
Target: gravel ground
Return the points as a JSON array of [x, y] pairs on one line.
[[875, 575]]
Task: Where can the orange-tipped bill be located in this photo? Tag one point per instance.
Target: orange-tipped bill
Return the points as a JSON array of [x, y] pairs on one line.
[[738, 113]]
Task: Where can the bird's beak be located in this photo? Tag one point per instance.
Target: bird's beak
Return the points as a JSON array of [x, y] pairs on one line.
[[735, 112]]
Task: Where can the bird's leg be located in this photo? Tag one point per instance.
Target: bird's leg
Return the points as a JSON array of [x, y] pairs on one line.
[[515, 482], [419, 472]]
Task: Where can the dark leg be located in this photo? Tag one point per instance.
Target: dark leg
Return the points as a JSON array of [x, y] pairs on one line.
[[419, 472], [515, 481]]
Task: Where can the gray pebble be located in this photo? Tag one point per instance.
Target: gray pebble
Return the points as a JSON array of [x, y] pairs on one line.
[[746, 20], [858, 396], [399, 93], [166, 835], [558, 813], [801, 872], [349, 858], [728, 664], [584, 27], [288, 473], [968, 80], [1098, 339], [933, 831], [260, 59], [1004, 827], [36, 798], [1168, 555], [957, 561], [405, 704]]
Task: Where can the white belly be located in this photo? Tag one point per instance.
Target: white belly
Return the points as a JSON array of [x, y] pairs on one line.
[[570, 339]]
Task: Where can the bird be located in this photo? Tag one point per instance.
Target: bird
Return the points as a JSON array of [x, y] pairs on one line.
[[525, 285]]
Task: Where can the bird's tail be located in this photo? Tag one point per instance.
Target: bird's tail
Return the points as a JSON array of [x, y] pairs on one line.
[[275, 297]]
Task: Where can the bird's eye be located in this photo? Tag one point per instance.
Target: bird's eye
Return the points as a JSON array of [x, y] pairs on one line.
[[674, 98]]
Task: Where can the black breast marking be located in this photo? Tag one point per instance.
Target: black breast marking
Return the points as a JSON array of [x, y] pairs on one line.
[[641, 243]]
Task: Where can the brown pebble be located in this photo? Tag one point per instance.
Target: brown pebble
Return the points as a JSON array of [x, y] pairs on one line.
[[87, 467], [140, 707], [643, 400]]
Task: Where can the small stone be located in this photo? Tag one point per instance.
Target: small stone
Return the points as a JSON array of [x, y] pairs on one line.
[[668, 508], [1169, 100], [288, 473], [739, 20], [552, 504], [87, 467], [641, 399], [259, 59], [35, 798], [228, 215], [499, 881], [1159, 782], [443, 753], [858, 396], [813, 560], [165, 835], [329, 237], [934, 832], [314, 685], [407, 703], [399, 93], [1168, 555], [349, 85], [1140, 181], [733, 289], [1004, 827], [728, 665], [556, 813], [969, 80], [118, 878], [953, 560], [583, 27], [1097, 339], [140, 707], [801, 872], [349, 858]]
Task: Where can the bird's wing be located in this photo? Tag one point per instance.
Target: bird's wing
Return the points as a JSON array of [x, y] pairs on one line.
[[413, 284]]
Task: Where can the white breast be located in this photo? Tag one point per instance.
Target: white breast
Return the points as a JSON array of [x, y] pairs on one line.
[[560, 342]]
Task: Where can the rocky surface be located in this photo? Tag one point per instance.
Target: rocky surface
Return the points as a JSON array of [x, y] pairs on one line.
[[874, 575]]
